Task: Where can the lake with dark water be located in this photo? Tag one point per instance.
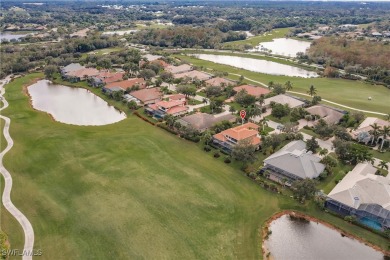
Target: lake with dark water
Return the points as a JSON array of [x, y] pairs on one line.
[[308, 240], [76, 106]]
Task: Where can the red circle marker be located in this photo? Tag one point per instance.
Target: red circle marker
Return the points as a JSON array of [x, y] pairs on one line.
[[243, 114]]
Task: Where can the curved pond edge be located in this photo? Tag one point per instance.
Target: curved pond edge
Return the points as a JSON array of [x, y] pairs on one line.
[[35, 80], [265, 231]]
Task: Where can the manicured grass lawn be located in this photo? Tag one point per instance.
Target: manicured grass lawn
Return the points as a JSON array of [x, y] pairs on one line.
[[132, 190], [255, 40], [347, 92]]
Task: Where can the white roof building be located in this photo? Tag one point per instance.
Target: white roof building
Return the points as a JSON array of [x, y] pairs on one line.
[[363, 194], [362, 186], [284, 99]]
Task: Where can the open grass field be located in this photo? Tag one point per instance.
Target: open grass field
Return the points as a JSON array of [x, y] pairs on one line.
[[255, 40], [132, 190], [347, 92]]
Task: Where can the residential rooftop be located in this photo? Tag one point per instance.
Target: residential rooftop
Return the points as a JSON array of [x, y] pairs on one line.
[[252, 90], [284, 100], [361, 186], [295, 159]]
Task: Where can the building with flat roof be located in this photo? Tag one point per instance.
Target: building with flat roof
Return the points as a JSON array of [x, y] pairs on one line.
[[364, 195]]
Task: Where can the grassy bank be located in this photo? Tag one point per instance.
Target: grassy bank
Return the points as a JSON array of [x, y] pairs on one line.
[[252, 56], [347, 92], [122, 189], [255, 40]]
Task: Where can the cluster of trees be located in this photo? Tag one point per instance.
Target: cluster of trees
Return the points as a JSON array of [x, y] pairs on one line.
[[17, 58], [350, 152], [186, 37], [370, 58]]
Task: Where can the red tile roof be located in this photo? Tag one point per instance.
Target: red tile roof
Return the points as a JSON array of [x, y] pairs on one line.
[[89, 72], [177, 97], [125, 84], [108, 77], [248, 131], [145, 95], [217, 81], [253, 90]]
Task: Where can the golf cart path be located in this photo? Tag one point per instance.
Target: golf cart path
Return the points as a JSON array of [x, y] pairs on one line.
[[325, 100], [6, 198]]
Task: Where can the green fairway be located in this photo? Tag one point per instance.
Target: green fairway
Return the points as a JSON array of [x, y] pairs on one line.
[[347, 92], [255, 40], [132, 190]]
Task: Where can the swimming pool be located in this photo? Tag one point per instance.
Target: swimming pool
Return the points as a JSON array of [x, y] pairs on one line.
[[370, 223]]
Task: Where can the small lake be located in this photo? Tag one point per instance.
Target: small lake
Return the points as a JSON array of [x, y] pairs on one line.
[[119, 32], [76, 106], [283, 46], [263, 66], [10, 36], [300, 240]]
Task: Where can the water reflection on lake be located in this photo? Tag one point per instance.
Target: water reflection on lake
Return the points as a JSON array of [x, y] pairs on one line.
[[300, 240], [119, 32], [75, 106], [10, 36], [263, 66], [284, 47]]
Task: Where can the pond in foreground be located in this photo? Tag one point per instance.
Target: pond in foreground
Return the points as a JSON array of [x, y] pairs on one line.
[[74, 106], [297, 239], [256, 65]]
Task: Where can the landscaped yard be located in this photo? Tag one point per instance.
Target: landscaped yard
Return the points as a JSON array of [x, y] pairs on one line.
[[347, 92], [132, 190]]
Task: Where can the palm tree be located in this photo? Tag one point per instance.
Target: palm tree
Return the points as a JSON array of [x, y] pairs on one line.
[[374, 132], [383, 165], [264, 122], [385, 133], [261, 100], [312, 91], [288, 86], [271, 85]]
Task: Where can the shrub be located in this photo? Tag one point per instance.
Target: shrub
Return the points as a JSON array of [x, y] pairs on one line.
[[217, 155], [207, 148], [227, 160]]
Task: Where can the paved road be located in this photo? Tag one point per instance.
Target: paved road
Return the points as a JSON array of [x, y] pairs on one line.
[[6, 198]]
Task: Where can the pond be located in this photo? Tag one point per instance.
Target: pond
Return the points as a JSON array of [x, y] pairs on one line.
[[263, 66], [283, 46], [74, 106], [119, 32], [10, 36], [297, 239]]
